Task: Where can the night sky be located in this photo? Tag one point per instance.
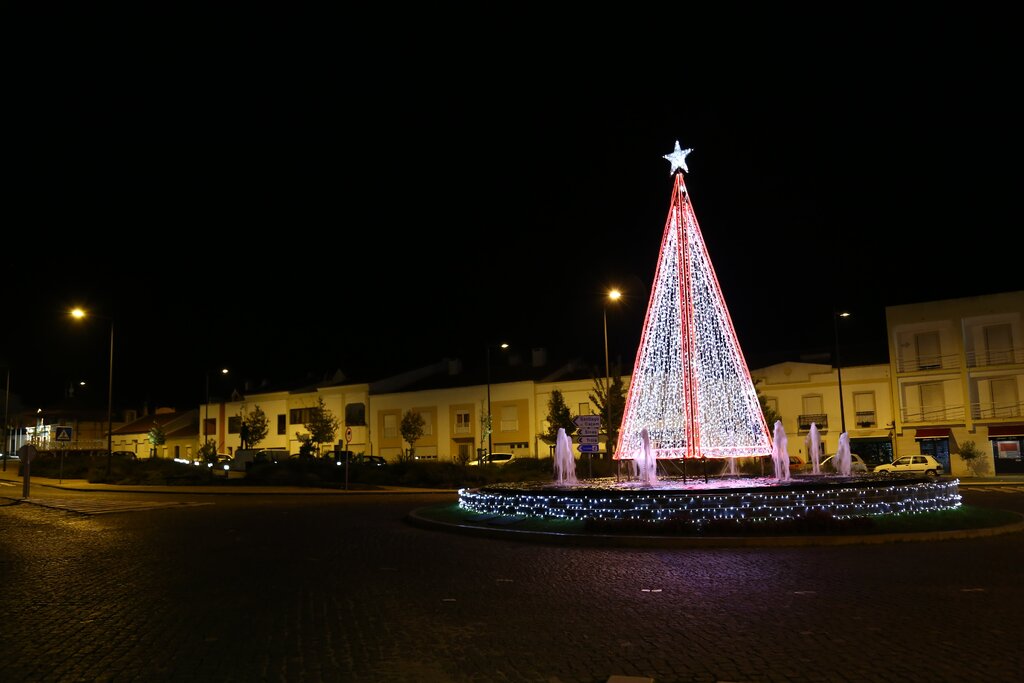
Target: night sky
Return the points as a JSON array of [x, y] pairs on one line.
[[240, 211]]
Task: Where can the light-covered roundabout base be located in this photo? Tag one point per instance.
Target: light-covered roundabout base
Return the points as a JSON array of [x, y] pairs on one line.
[[748, 499]]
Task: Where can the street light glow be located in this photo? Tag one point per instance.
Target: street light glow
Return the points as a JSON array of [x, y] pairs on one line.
[[614, 295], [224, 371], [844, 314], [77, 313]]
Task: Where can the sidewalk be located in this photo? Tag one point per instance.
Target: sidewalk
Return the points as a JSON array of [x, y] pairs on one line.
[[211, 489]]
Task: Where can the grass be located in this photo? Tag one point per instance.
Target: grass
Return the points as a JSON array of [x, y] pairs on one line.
[[964, 517]]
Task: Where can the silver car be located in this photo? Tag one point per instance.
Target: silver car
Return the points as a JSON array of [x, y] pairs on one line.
[[857, 465]]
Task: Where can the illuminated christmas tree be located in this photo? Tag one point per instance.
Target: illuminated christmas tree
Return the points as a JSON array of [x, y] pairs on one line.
[[691, 388]]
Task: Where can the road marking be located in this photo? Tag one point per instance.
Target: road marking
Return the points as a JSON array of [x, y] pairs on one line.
[[104, 507], [994, 489]]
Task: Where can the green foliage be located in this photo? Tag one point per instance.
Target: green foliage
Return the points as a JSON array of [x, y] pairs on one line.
[[257, 425], [156, 436], [412, 429], [610, 398], [208, 451], [559, 415], [771, 416], [322, 426], [969, 451]]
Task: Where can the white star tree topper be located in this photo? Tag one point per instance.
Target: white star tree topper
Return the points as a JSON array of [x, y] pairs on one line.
[[678, 158]]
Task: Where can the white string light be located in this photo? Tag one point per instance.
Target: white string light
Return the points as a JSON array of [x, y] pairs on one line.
[[696, 507], [691, 388]]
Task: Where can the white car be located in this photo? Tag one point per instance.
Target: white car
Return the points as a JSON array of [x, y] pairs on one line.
[[495, 459], [912, 464], [857, 465]]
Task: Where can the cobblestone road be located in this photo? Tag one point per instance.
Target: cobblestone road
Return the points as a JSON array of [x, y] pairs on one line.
[[342, 589]]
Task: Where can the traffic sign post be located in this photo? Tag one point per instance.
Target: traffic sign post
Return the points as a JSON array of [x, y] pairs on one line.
[[63, 434], [589, 429]]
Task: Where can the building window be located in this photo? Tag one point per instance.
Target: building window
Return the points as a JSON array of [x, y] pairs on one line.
[[585, 409], [300, 416], [234, 424], [390, 426], [428, 423], [772, 404], [355, 414], [864, 405], [210, 426], [282, 427], [509, 419], [998, 344], [462, 424]]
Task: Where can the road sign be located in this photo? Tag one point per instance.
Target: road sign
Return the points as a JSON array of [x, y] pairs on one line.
[[63, 433], [348, 434], [589, 431], [589, 439], [589, 448], [587, 421]]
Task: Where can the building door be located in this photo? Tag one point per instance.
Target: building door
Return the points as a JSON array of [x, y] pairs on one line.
[[938, 449], [928, 348]]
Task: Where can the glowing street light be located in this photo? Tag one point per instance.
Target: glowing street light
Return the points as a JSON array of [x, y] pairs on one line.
[[490, 421], [839, 369], [206, 417], [80, 314], [613, 295]]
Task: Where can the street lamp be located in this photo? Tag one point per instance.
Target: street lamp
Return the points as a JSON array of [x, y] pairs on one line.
[[613, 295], [7, 401], [839, 368], [490, 422], [79, 314], [206, 416]]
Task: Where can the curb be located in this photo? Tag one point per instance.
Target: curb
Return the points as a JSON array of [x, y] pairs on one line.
[[417, 519]]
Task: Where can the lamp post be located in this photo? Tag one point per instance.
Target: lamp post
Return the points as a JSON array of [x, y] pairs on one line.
[[79, 314], [490, 421], [613, 295], [206, 416], [839, 367], [7, 401]]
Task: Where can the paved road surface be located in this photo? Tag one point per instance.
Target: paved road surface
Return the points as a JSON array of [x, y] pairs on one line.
[[340, 588]]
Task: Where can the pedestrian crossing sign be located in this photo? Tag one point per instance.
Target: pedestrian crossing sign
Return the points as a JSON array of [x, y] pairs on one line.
[[62, 433]]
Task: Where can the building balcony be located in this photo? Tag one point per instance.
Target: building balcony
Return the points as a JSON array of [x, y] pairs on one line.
[[914, 363], [865, 419], [996, 411], [932, 415], [803, 422], [986, 358]]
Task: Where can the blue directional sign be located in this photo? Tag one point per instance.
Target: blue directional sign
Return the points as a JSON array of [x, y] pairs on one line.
[[589, 439], [589, 448], [62, 433]]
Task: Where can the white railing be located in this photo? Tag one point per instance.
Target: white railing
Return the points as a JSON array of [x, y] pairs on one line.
[[936, 362], [991, 411], [985, 357], [924, 414]]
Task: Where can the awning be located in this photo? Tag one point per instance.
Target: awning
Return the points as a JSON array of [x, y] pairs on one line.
[[934, 433], [1006, 430]]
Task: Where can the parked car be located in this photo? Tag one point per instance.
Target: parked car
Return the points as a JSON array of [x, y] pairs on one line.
[[369, 460], [495, 459], [912, 464], [265, 455], [127, 455], [857, 464]]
